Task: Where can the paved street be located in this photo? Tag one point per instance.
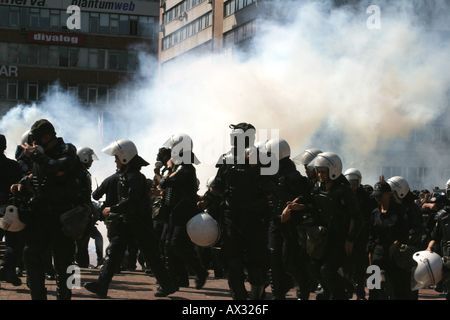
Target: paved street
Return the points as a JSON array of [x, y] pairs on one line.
[[136, 285]]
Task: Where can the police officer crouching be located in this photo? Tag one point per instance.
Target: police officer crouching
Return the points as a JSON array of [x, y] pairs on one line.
[[132, 219], [55, 191]]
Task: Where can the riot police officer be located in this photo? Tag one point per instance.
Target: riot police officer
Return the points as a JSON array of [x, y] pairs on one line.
[[245, 191], [86, 157], [306, 159], [339, 212], [288, 258], [180, 198], [358, 259], [133, 221], [55, 190], [10, 174]]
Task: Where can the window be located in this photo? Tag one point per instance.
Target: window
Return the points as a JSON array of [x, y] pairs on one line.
[[3, 52], [102, 92], [63, 16], [92, 94], [124, 25], [72, 89], [53, 56], [133, 25], [114, 23], [3, 89], [4, 18], [13, 52], [112, 95], [14, 17], [84, 19], [34, 54], [63, 56], [93, 58], [112, 59], [21, 90], [42, 88], [102, 59], [54, 19], [34, 18], [73, 57], [44, 19], [94, 22], [12, 90], [104, 23], [144, 27], [122, 60], [23, 53], [132, 61], [43, 55], [24, 17], [83, 58], [32, 90], [82, 92]]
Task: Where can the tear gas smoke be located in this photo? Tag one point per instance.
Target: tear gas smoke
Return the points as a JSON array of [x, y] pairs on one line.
[[313, 71]]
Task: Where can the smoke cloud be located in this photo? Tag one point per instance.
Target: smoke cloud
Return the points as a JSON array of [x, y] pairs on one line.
[[314, 72]]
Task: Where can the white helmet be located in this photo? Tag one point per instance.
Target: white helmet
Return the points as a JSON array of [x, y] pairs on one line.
[[84, 153], [447, 188], [203, 230], [399, 185], [428, 270], [9, 220], [181, 142], [353, 174], [279, 147], [331, 161], [125, 150], [307, 158], [25, 136], [209, 181]]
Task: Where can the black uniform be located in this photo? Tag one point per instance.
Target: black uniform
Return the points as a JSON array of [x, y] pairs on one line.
[[244, 224], [108, 188], [336, 207], [135, 223], [441, 236], [180, 196], [288, 258], [10, 173], [384, 229], [55, 191], [359, 260]]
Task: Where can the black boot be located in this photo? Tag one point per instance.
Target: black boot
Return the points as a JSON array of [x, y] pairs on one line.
[[257, 292], [97, 288]]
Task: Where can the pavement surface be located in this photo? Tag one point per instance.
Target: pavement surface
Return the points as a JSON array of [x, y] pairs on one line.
[[137, 285]]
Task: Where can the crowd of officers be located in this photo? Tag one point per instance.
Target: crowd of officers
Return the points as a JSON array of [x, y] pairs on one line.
[[318, 231]]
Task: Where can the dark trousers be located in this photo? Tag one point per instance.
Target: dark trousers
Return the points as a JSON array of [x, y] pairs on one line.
[[45, 231], [400, 279], [326, 269], [288, 261], [179, 251], [244, 245], [13, 254], [139, 229]]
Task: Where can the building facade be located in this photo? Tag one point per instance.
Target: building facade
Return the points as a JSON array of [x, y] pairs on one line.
[[193, 28], [38, 52]]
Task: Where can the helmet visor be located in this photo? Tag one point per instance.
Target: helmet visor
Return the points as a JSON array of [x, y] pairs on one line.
[[112, 149]]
